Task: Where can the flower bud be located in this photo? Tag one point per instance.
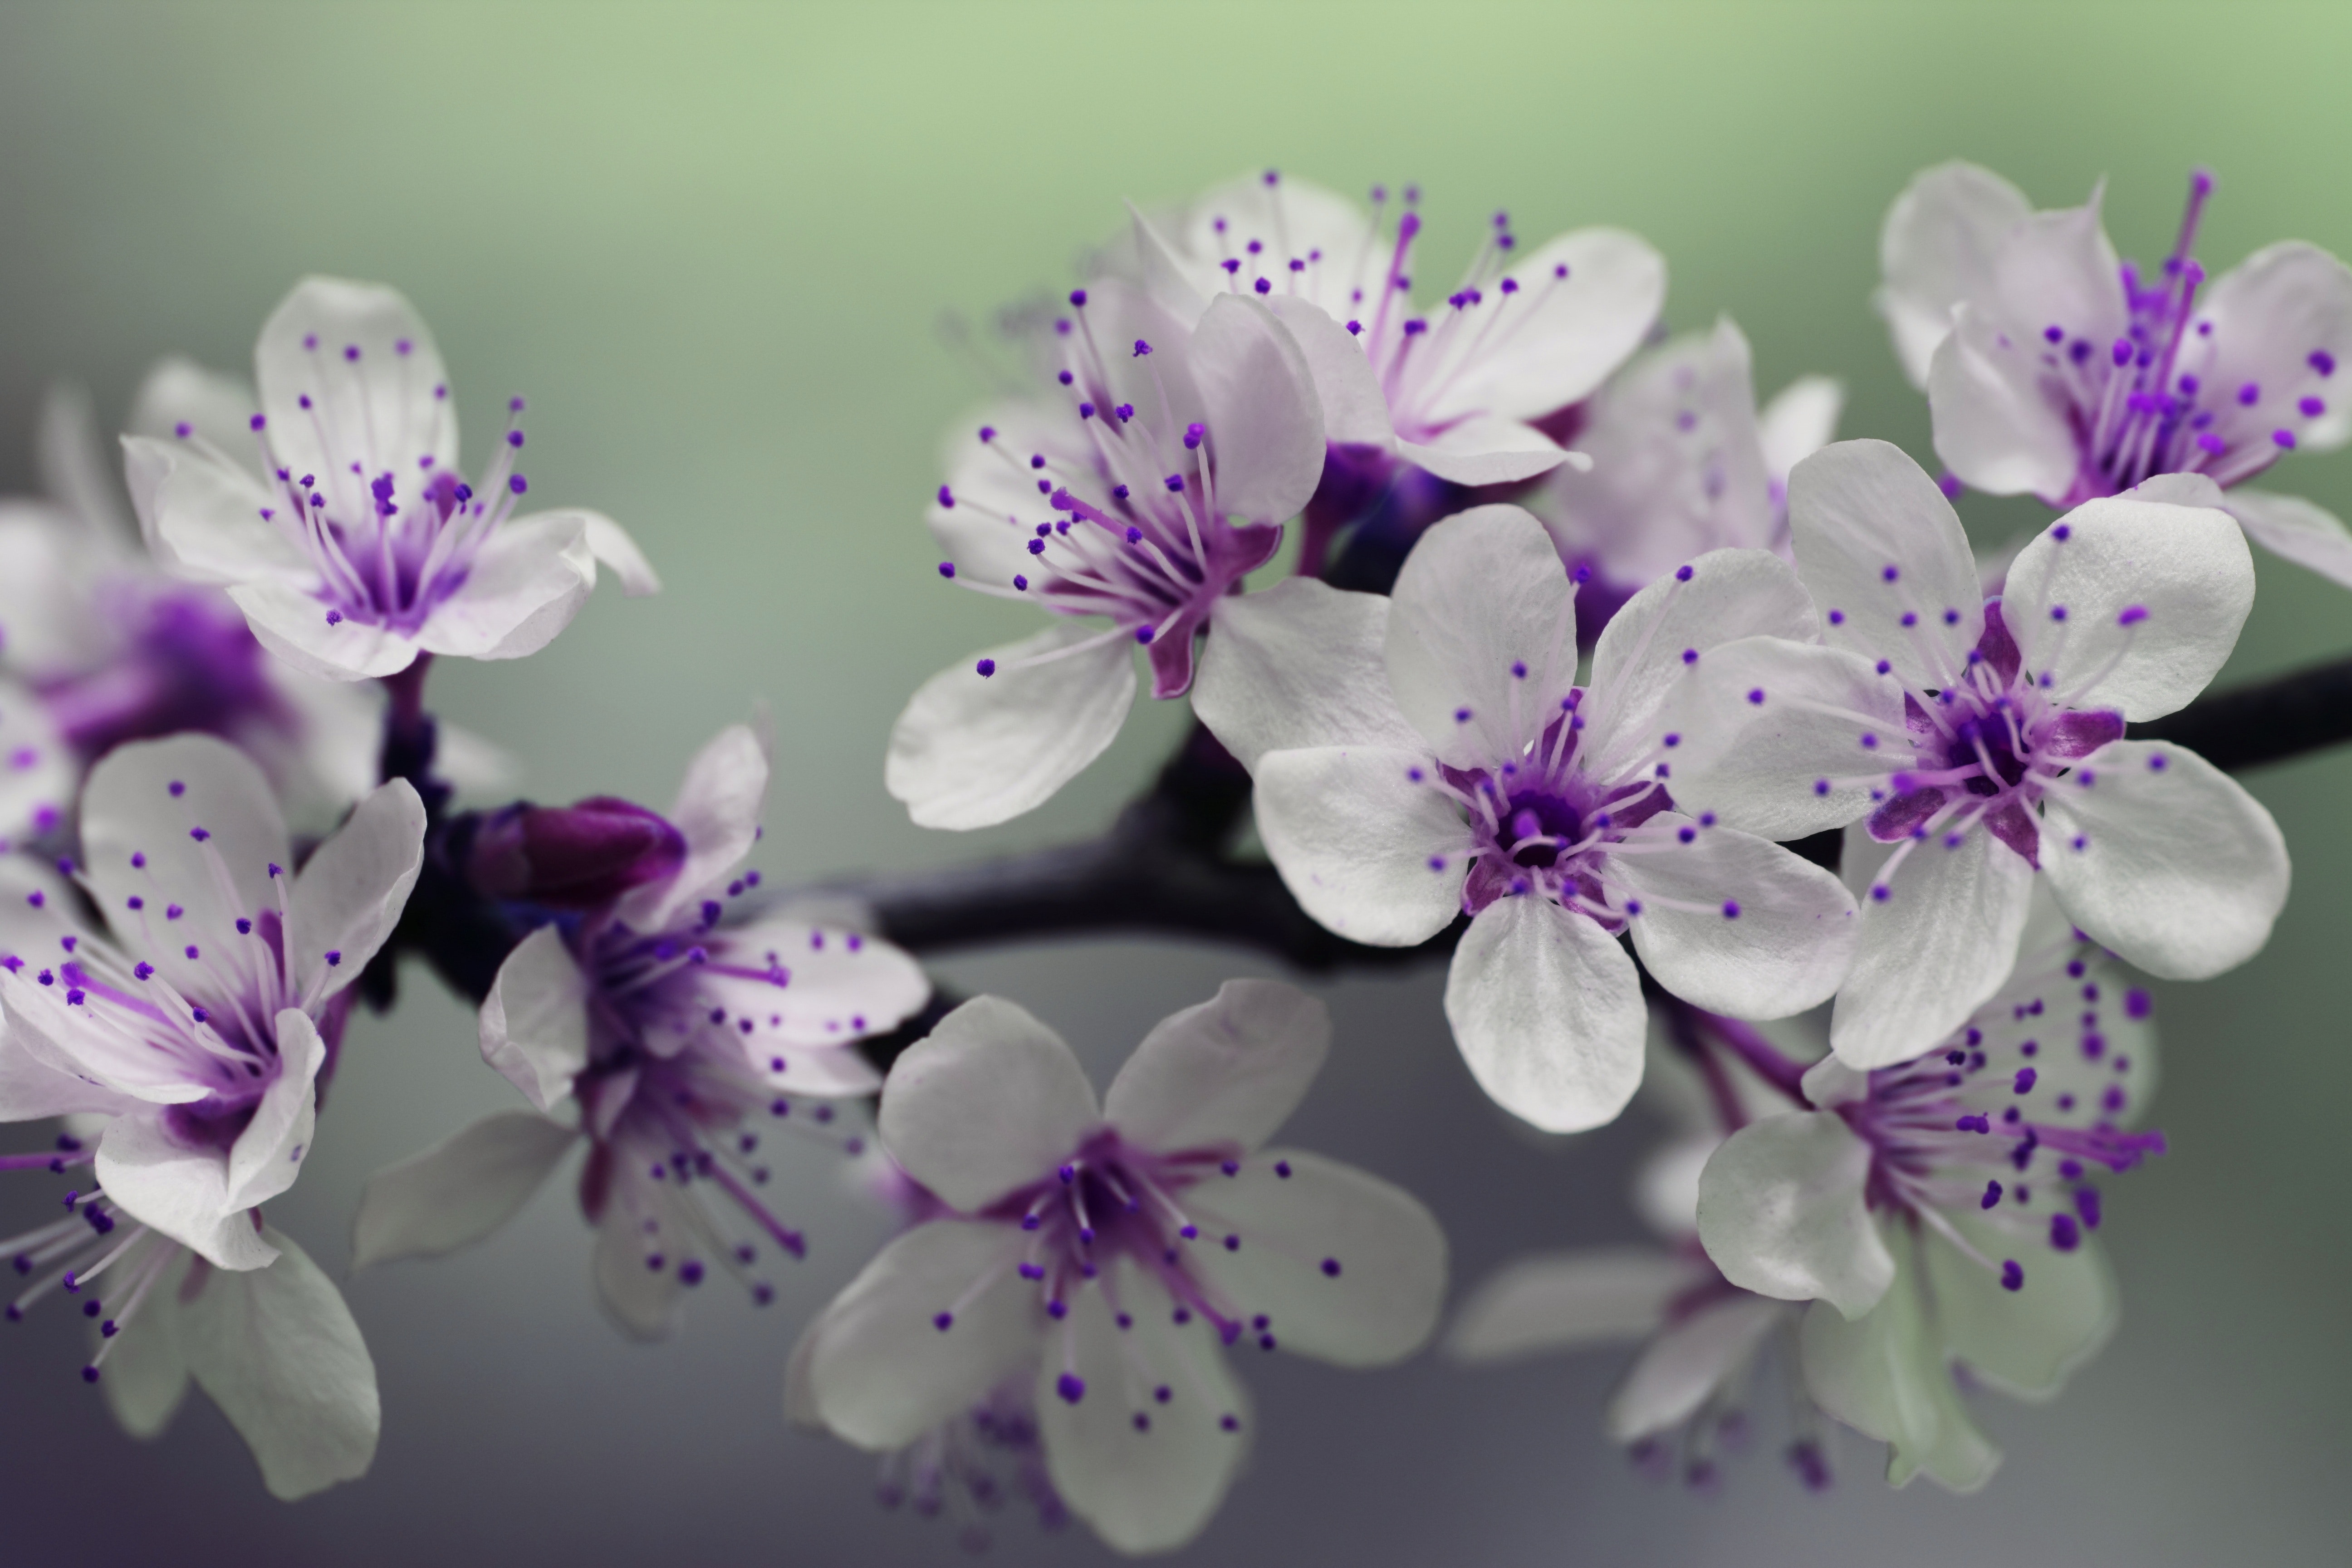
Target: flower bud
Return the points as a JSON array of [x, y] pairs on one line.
[[572, 856]]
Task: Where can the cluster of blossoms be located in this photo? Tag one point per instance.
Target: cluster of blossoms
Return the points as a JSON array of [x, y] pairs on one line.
[[1702, 745]]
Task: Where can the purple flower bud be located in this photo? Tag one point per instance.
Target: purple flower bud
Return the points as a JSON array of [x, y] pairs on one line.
[[572, 856]]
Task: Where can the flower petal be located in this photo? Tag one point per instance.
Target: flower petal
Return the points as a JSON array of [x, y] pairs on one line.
[[1781, 1212], [268, 1155], [1302, 663], [1936, 249], [292, 624], [972, 751], [1588, 299], [1941, 941], [368, 364], [1802, 419], [352, 891], [716, 811], [1763, 724], [881, 1372], [1690, 1360], [146, 1374], [2130, 603], [37, 766], [2159, 855], [1227, 1071], [1548, 1012], [610, 544], [525, 586], [2272, 314], [1482, 634], [457, 1191], [1885, 1374], [202, 516], [278, 1352], [1368, 845], [1355, 410], [1482, 449], [988, 1101], [1861, 509], [839, 986], [1342, 1265], [2028, 1341], [1773, 934], [2307, 534], [534, 1023], [181, 1192], [1265, 423], [1998, 427], [1567, 1300], [218, 408]]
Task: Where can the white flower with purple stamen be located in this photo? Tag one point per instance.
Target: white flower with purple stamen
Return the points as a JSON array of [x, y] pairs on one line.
[[1129, 507], [363, 547], [1461, 390], [676, 1030], [1105, 1253], [1981, 741], [1430, 755], [197, 1028], [2053, 368], [1941, 1211]]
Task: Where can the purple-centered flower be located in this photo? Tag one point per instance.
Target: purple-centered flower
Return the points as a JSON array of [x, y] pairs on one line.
[[1462, 389], [1129, 505], [679, 1031], [1102, 1253], [2053, 368], [362, 545], [1429, 755], [1981, 742], [1943, 1209]]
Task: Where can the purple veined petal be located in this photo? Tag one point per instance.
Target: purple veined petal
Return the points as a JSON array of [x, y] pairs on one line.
[[459, 1191], [1228, 1071], [990, 1100], [1567, 1300], [1782, 1211], [1936, 250], [1888, 1375]]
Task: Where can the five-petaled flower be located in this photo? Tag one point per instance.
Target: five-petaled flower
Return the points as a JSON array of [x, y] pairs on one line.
[[360, 547], [1104, 1253], [1981, 741], [2053, 368], [1430, 755]]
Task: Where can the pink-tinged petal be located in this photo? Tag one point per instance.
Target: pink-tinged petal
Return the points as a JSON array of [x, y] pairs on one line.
[[2278, 316], [1687, 1363], [201, 516], [459, 1191], [881, 1373], [1265, 423], [1548, 1012], [524, 587], [1877, 540], [1999, 425], [1736, 924], [368, 364], [1782, 1211], [1366, 840], [353, 890], [1585, 302], [2308, 535], [1227, 1071], [989, 1100], [2015, 827], [1299, 665], [534, 1023], [1481, 634], [1886, 1376], [2160, 855], [1932, 950], [1355, 410], [1485, 449], [972, 751], [1936, 249], [717, 813], [292, 624], [1566, 1300], [2129, 604]]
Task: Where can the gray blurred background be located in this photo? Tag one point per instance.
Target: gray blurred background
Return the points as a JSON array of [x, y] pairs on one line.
[[713, 246]]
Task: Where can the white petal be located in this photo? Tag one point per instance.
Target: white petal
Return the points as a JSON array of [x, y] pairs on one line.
[[387, 402], [972, 751], [35, 1083], [1789, 945], [181, 1192], [1686, 1364], [1565, 334], [218, 407], [1941, 943], [2270, 313], [1566, 1300], [1997, 426], [292, 624], [1153, 1488], [278, 1352], [2290, 526], [1227, 1071], [353, 890], [1547, 1010], [48, 561], [1265, 423], [717, 813], [840, 986], [1802, 419], [881, 1372], [643, 1302], [2183, 573], [1302, 663], [525, 586], [610, 544], [1648, 647], [201, 516], [1885, 1376], [2030, 1341], [2159, 855], [145, 1375], [534, 1023], [1782, 1211], [1147, 258], [1364, 840], [1758, 765], [457, 1191], [1936, 249], [72, 457], [1342, 1265], [2058, 269], [1483, 449], [268, 1155], [990, 1101], [1482, 596], [37, 766], [1859, 510], [1355, 410]]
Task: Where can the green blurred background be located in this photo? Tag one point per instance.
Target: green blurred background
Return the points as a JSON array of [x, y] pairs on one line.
[[714, 246]]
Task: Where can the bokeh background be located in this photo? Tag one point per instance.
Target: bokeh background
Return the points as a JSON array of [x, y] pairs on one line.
[[715, 246]]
